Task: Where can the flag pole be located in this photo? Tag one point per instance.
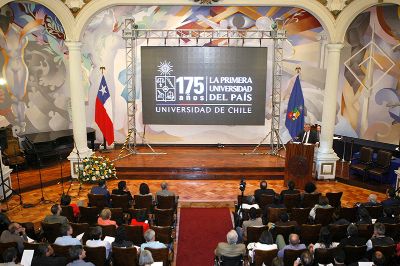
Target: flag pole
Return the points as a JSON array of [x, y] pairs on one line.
[[104, 150]]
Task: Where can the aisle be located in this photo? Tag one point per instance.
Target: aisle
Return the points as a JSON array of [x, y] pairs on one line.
[[200, 230]]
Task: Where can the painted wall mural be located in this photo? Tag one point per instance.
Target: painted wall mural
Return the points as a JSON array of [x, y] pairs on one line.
[[369, 88], [33, 58]]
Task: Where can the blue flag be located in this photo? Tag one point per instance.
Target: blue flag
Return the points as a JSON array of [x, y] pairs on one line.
[[295, 110]]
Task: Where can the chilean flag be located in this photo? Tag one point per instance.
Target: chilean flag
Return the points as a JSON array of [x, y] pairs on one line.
[[103, 112]]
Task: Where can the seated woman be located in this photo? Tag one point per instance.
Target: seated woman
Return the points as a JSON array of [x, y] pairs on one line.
[[144, 189], [323, 202], [266, 242], [141, 219], [310, 188], [121, 239], [66, 201], [324, 241], [105, 218]]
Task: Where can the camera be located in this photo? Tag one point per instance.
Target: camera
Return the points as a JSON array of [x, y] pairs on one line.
[[242, 185]]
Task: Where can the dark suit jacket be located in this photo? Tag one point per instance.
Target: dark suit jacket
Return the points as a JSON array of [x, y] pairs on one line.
[[353, 241], [49, 261], [288, 192], [122, 192], [313, 138], [259, 192]]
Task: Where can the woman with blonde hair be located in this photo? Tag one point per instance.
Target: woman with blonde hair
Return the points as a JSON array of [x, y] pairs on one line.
[[105, 218]]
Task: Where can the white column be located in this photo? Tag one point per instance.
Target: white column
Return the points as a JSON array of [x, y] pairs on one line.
[[326, 157], [81, 149]]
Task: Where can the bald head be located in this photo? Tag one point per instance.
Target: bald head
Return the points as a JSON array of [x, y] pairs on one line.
[[294, 239]]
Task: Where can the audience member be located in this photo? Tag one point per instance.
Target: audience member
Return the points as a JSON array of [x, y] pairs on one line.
[[363, 216], [284, 220], [263, 190], [372, 201], [101, 189], [144, 189], [323, 203], [14, 233], [379, 238], [66, 239], [55, 216], [10, 255], [277, 262], [105, 218], [251, 203], [164, 190], [388, 217], [378, 259], [77, 254], [306, 135], [352, 239], [4, 222], [306, 259], [290, 191], [44, 256], [253, 221], [391, 200], [66, 201], [266, 242], [230, 248], [122, 190], [150, 237], [324, 241], [141, 219], [145, 258], [95, 240], [294, 244], [275, 205], [310, 188], [121, 239]]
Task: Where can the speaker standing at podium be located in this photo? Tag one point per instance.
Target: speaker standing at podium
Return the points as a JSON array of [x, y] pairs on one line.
[[307, 136]]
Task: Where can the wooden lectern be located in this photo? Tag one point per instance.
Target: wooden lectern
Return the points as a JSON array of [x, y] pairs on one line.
[[299, 163]]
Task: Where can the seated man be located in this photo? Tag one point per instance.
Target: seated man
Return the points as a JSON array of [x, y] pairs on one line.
[[290, 191], [379, 238], [164, 190], [77, 254], [388, 217], [95, 240], [251, 203], [230, 249], [294, 244], [55, 216], [263, 190], [253, 221], [122, 190], [66, 239], [101, 189], [352, 238], [372, 201], [150, 237], [44, 256], [15, 233], [391, 200]]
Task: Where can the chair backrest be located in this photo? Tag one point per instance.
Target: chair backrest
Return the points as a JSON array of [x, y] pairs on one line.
[[4, 246], [334, 198], [383, 159], [97, 200], [264, 256], [117, 214], [388, 251], [354, 253], [365, 230], [285, 230], [265, 199], [143, 201], [166, 202], [134, 233], [68, 212], [79, 228], [393, 230], [61, 251], [241, 199], [290, 255], [366, 155], [310, 233], [51, 231], [164, 217], [309, 200], [135, 212], [325, 255], [230, 261], [124, 256], [291, 201], [96, 255], [31, 246], [108, 230], [348, 213], [273, 214], [375, 211], [323, 216], [254, 233], [88, 215], [300, 215], [338, 231], [120, 201], [163, 234], [159, 254]]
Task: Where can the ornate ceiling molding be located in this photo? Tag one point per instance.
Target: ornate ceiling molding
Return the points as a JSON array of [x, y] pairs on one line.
[[75, 5], [335, 6]]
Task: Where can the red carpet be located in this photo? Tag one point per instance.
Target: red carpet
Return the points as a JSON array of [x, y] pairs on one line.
[[200, 230]]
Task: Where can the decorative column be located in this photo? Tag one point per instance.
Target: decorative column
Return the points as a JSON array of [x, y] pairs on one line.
[[81, 149], [326, 157]]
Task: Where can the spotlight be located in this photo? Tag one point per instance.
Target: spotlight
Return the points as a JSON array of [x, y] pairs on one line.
[[2, 82]]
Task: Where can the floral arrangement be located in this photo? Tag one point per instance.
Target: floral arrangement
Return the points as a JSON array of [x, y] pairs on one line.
[[96, 168]]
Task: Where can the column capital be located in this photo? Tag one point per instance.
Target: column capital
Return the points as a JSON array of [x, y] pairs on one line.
[[334, 47], [73, 45]]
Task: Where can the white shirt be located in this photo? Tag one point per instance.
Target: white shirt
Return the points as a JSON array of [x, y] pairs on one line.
[[305, 137], [99, 243], [259, 246]]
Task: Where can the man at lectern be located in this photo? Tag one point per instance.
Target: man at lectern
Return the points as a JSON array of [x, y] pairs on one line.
[[307, 136]]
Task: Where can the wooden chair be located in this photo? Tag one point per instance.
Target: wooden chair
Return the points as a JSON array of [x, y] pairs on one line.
[[88, 215], [79, 228], [334, 198], [97, 200], [96, 255], [137, 212], [354, 253], [51, 231], [348, 213], [365, 161], [290, 255], [393, 230], [159, 254], [124, 256], [108, 230], [264, 256], [164, 217], [310, 233], [323, 216], [375, 211], [300, 215], [68, 212], [163, 234], [325, 255], [31, 246], [134, 233], [388, 251], [117, 214], [382, 164], [143, 201], [309, 200], [285, 230], [166, 202], [61, 251], [265, 199], [229, 261], [338, 231], [254, 233], [4, 246], [273, 214], [291, 201], [120, 201], [365, 230]]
